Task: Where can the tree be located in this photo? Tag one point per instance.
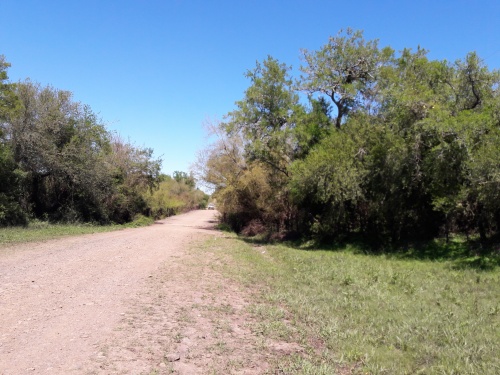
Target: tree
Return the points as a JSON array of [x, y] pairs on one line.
[[474, 84], [265, 116], [174, 196], [444, 114], [59, 145], [134, 172], [265, 119], [74, 170], [58, 161], [180, 176], [392, 147], [10, 177], [344, 70]]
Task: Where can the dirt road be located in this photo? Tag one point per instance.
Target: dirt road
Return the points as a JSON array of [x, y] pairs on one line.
[[135, 301]]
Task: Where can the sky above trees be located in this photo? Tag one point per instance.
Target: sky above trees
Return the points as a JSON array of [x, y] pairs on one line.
[[155, 70]]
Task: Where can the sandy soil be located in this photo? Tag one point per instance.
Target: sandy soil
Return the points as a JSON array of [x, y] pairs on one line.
[[135, 301]]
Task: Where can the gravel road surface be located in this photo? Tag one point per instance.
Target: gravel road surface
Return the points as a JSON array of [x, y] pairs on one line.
[[147, 301]]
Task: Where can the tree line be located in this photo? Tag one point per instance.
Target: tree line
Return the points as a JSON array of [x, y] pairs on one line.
[[390, 146], [58, 162]]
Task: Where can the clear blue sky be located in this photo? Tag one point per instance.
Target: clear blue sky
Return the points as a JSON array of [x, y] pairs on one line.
[[154, 70]]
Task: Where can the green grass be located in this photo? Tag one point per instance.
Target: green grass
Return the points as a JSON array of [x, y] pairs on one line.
[[41, 230], [358, 313]]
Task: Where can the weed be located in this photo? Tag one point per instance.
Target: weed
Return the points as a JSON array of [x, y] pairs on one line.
[[178, 337]]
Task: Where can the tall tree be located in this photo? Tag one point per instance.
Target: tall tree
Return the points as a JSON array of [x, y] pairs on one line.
[[265, 116], [344, 70], [10, 176], [59, 145]]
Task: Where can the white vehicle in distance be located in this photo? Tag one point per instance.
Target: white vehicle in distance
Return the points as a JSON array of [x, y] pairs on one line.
[[211, 206]]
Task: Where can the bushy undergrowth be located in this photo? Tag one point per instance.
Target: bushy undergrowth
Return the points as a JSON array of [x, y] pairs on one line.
[[372, 314]]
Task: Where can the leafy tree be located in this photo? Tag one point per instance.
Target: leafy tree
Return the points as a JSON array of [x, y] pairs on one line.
[[474, 84], [10, 177], [220, 166], [344, 70], [73, 168], [266, 119], [222, 162], [443, 112], [265, 116], [8, 99], [184, 177], [134, 171], [59, 146], [58, 161]]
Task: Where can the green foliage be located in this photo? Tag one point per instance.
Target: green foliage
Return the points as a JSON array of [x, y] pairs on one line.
[[184, 177], [326, 184], [10, 210], [134, 172], [311, 127], [265, 116], [344, 70], [59, 146], [8, 100]]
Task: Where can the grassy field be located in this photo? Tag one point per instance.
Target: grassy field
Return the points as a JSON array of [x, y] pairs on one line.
[[41, 230], [356, 313]]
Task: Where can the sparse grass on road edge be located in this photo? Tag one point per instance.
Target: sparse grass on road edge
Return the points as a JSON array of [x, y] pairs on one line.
[[41, 230], [358, 313]]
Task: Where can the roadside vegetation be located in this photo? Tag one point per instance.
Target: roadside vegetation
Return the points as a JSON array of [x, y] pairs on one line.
[[354, 312], [37, 230], [59, 164], [42, 230], [366, 143]]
